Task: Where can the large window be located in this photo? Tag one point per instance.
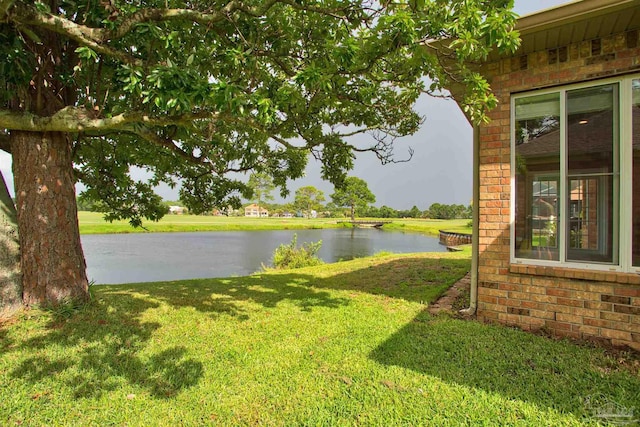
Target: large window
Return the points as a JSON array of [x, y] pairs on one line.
[[575, 162]]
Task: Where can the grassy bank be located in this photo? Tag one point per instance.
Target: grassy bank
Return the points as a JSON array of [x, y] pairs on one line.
[[343, 344], [93, 223], [429, 226]]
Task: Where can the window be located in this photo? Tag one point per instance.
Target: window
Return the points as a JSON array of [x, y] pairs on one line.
[[537, 171], [576, 176]]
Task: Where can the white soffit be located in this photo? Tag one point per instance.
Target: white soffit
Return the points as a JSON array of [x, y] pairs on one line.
[[576, 22]]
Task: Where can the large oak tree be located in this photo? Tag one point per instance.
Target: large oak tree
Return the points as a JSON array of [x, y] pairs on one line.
[[194, 90]]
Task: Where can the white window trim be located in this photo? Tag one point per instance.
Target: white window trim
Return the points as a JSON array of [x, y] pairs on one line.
[[625, 190]]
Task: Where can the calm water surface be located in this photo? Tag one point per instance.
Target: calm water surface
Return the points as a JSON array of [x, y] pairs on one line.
[[149, 257]]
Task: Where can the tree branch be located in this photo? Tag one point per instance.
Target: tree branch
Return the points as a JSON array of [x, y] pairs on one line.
[[85, 36], [168, 143], [77, 119], [207, 18], [96, 38], [204, 18]]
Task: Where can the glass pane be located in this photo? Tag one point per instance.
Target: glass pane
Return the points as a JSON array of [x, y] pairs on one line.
[[636, 171], [587, 230], [537, 170], [592, 147]]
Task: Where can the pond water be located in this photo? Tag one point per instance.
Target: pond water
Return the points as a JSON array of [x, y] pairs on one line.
[[149, 257]]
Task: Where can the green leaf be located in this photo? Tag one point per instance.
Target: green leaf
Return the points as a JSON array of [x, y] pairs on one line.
[[86, 53]]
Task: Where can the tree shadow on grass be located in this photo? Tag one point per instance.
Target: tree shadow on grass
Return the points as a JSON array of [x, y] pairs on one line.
[[418, 279], [100, 349], [232, 296], [104, 347], [5, 341], [514, 364]]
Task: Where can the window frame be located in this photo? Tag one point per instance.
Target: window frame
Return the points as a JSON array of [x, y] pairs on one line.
[[623, 180]]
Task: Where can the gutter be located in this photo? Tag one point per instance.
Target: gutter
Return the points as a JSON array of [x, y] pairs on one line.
[[475, 239]]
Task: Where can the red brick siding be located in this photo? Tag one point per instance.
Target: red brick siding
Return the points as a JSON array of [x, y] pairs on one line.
[[569, 302]]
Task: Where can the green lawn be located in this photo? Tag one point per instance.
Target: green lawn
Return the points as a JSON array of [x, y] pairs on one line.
[[430, 226], [349, 343], [93, 223]]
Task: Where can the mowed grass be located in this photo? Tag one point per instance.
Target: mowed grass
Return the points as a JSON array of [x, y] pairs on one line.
[[429, 226], [94, 223], [350, 343]]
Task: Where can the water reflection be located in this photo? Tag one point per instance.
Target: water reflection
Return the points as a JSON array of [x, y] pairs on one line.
[[125, 258]]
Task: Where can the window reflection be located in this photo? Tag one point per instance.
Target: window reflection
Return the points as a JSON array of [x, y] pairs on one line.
[[537, 169], [592, 166]]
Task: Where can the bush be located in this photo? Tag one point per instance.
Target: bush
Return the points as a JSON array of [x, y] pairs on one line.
[[291, 256]]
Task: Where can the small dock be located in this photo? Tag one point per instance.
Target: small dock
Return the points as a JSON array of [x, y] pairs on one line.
[[364, 224]]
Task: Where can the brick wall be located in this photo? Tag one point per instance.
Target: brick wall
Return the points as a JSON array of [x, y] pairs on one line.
[[576, 303]]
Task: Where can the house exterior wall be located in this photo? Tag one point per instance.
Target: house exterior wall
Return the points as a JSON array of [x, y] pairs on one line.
[[577, 303], [254, 210]]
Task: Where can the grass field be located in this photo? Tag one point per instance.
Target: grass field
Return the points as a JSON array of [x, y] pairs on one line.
[[349, 343], [93, 223], [429, 226]]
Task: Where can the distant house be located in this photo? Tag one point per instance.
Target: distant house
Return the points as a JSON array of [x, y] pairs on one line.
[[177, 210], [255, 211], [557, 177]]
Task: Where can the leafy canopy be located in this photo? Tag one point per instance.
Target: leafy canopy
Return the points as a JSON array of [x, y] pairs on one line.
[[195, 91], [354, 193]]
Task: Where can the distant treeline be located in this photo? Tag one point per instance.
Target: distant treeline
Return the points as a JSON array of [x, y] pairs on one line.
[[435, 211]]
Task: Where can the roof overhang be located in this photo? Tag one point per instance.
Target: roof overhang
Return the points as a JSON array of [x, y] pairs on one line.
[[576, 22]]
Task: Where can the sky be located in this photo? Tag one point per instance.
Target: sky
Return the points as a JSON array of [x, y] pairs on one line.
[[439, 172]]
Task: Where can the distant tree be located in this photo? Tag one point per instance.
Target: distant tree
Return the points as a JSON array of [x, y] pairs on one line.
[[333, 211], [89, 205], [308, 199], [414, 212], [469, 211], [261, 184], [441, 211], [437, 211], [371, 212], [354, 194], [387, 212]]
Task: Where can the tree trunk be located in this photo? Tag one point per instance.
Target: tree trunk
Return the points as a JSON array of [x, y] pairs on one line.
[[353, 212], [10, 280], [52, 260]]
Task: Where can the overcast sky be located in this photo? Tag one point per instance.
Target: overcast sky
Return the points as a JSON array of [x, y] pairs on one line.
[[440, 170]]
